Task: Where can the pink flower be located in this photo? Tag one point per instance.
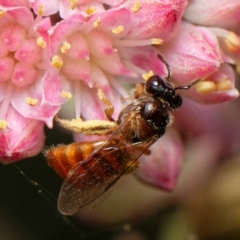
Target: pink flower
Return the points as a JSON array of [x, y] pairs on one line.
[[22, 138], [223, 14], [159, 19], [86, 7], [162, 167], [89, 53], [66, 8], [25, 86], [15, 3], [195, 53], [36, 87]]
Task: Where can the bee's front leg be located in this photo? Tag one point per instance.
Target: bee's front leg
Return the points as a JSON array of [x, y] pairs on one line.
[[110, 109]]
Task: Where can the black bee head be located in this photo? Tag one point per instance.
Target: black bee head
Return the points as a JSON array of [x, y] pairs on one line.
[[162, 89]]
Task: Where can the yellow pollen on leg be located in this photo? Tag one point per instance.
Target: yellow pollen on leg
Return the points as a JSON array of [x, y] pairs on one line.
[[118, 30], [73, 4], [31, 101], [224, 85], [136, 7], [57, 62], [232, 42], [2, 12], [41, 43], [156, 41], [97, 22], [90, 10], [205, 87], [66, 95], [65, 47], [146, 76], [40, 10], [3, 124]]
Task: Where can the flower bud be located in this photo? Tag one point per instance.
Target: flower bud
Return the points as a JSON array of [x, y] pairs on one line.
[[222, 13], [20, 137]]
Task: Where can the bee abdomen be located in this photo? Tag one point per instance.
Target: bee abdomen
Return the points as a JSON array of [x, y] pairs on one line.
[[64, 157], [110, 160]]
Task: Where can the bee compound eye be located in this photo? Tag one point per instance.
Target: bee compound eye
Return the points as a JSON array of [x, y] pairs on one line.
[[176, 102], [154, 85]]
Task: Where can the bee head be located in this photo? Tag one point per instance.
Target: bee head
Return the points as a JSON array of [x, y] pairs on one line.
[[164, 90]]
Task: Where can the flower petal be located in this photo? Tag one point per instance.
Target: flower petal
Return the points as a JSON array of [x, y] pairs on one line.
[[90, 105], [63, 29], [142, 60], [29, 52], [222, 87], [193, 54], [221, 13], [157, 19], [23, 16], [23, 137], [48, 7], [15, 3], [111, 20], [161, 168], [47, 95], [112, 65], [6, 68]]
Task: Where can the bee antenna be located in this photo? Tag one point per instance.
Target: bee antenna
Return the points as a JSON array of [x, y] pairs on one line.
[[188, 86], [166, 64]]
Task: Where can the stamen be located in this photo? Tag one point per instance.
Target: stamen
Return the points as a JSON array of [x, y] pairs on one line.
[[146, 76], [40, 10], [136, 7], [156, 41], [205, 87], [41, 43], [2, 12], [3, 124], [57, 62], [232, 42], [32, 101], [73, 4], [224, 85], [118, 30], [66, 46], [90, 10], [97, 22], [66, 95]]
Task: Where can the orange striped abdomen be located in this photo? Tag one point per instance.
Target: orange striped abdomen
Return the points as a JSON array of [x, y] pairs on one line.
[[108, 163], [64, 157]]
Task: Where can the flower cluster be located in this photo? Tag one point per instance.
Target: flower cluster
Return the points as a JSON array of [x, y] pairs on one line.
[[51, 51]]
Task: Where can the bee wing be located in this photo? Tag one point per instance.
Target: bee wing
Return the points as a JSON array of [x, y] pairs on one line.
[[74, 196], [79, 190]]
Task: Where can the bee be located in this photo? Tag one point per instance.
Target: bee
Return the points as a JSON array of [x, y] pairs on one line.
[[91, 168]]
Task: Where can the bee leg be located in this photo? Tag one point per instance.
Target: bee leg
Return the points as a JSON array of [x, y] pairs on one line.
[[147, 152], [90, 127], [110, 109], [131, 166], [138, 91]]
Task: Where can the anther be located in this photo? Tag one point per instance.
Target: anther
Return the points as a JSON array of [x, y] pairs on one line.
[[31, 101]]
